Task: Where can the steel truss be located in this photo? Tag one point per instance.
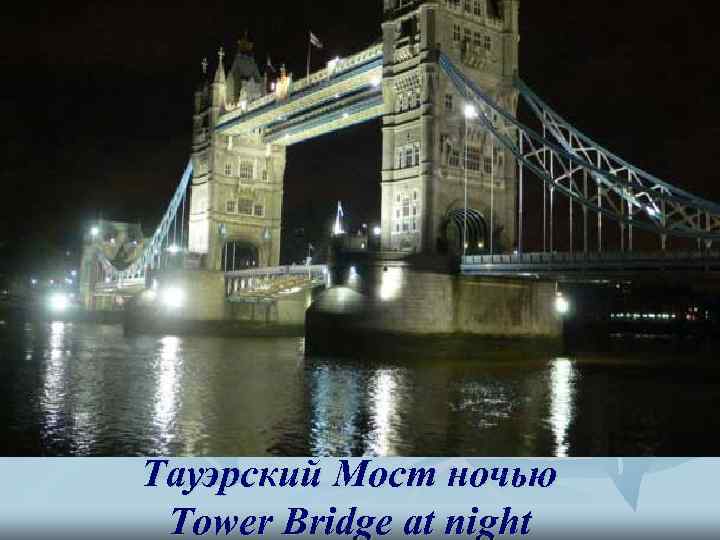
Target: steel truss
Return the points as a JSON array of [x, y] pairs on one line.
[[170, 233], [595, 179]]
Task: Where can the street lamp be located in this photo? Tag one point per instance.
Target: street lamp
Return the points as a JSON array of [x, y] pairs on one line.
[[95, 231], [470, 113]]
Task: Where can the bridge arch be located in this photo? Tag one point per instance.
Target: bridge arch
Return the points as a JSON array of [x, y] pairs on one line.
[[452, 231], [238, 254]]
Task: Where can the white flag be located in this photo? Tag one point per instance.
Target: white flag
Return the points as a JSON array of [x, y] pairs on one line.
[[315, 41]]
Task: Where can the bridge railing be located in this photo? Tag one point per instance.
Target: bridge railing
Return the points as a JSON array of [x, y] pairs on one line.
[[703, 260], [270, 280]]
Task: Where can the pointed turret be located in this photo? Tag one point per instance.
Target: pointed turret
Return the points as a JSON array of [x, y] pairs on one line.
[[244, 77], [220, 71], [202, 88], [219, 87]]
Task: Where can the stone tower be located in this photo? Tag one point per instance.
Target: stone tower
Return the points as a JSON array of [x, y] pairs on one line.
[[237, 190], [425, 132]]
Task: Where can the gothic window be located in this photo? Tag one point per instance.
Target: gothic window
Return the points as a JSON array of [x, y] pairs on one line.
[[407, 212], [416, 156], [228, 169], [456, 32], [477, 8], [448, 102], [468, 36], [473, 158], [455, 4], [468, 5], [488, 43], [245, 207], [400, 160], [259, 210], [478, 39], [246, 169], [409, 156], [230, 207], [488, 165]]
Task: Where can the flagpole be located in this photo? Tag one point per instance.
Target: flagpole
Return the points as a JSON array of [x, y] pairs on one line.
[[308, 59]]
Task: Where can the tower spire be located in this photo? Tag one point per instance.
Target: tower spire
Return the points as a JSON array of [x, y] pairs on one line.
[[245, 46], [220, 73]]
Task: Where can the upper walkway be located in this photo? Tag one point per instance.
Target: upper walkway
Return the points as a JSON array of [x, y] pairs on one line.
[[348, 91]]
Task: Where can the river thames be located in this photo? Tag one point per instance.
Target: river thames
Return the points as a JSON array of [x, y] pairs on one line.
[[69, 389]]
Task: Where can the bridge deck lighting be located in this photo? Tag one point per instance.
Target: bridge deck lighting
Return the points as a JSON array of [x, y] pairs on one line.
[[377, 231], [470, 112], [562, 306], [173, 297], [95, 231], [173, 249], [58, 302]]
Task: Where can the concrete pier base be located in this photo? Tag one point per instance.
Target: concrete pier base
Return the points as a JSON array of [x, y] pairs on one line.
[[395, 298], [203, 308]]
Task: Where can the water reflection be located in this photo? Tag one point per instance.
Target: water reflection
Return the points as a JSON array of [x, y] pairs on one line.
[[384, 409], [562, 375], [53, 394], [73, 389], [168, 367], [336, 406]]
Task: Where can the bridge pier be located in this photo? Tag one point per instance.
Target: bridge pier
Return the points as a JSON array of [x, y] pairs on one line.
[[197, 302], [415, 298]]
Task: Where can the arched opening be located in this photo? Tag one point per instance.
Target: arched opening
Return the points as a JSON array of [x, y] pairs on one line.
[[453, 238], [238, 255]]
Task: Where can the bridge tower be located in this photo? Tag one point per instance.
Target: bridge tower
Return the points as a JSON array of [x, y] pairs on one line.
[[237, 188], [425, 133]]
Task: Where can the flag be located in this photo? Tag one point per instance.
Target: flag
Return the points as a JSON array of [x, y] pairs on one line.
[[315, 41]]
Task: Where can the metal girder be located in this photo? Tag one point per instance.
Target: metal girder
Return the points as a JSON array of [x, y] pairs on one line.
[[564, 156], [148, 258], [668, 207]]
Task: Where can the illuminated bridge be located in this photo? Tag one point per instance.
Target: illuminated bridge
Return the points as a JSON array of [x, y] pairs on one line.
[[455, 169]]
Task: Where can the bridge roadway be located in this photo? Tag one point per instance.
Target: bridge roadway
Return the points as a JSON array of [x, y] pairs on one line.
[[590, 266], [267, 282]]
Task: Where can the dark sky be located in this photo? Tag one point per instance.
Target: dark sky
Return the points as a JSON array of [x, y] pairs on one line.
[[96, 100]]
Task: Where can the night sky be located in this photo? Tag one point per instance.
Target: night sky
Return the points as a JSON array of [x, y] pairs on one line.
[[96, 100]]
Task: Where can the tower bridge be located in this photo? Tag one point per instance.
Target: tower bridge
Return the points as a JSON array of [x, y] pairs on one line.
[[456, 162]]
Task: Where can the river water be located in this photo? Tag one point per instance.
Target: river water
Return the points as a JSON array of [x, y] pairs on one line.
[[84, 389]]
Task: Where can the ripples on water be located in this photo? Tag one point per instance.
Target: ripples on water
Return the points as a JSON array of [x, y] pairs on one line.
[[76, 389]]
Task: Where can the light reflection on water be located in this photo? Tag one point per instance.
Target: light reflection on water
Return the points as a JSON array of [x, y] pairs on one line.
[[562, 374], [73, 389]]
